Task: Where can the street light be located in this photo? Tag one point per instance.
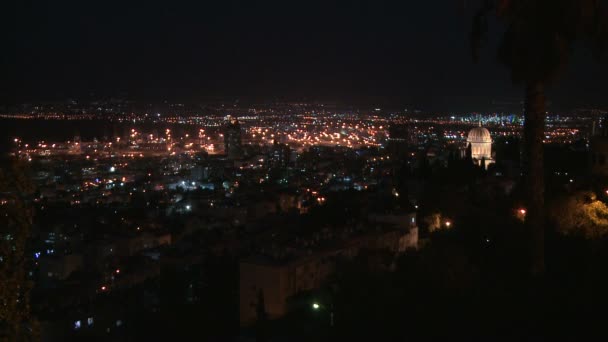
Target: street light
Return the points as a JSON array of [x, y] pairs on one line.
[[448, 224], [316, 307], [521, 214]]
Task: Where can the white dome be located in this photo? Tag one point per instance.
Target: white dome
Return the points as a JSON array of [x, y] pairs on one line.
[[479, 135]]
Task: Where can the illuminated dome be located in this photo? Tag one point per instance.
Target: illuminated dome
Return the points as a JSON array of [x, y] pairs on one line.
[[480, 140], [479, 135]]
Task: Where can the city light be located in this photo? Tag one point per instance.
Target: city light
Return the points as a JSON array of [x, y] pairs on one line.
[[306, 150]]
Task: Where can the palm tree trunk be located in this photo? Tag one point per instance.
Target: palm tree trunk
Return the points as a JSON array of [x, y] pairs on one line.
[[534, 131]]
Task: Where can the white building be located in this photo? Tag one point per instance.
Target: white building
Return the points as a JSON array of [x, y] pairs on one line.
[[480, 140]]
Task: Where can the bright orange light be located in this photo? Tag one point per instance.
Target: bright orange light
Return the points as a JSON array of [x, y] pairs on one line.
[[522, 211]]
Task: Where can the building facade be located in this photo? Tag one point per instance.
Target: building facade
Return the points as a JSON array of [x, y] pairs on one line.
[[271, 283], [232, 138]]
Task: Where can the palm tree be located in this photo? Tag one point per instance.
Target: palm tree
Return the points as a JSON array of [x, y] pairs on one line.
[[538, 39]]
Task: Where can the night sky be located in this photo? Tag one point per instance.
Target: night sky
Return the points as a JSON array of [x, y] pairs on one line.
[[413, 53]]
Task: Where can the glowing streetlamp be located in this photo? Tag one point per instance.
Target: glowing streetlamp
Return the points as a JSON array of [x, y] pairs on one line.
[[521, 214], [448, 224], [316, 307]]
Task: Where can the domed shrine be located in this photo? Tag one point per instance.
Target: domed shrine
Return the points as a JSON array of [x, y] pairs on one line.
[[480, 141]]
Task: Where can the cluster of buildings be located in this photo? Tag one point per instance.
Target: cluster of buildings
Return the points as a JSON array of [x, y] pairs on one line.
[[112, 214]]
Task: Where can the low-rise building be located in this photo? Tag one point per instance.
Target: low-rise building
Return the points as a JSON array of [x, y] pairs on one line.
[[276, 280]]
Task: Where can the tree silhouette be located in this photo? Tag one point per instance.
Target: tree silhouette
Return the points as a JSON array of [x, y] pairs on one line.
[[580, 213], [16, 323], [539, 36], [261, 318]]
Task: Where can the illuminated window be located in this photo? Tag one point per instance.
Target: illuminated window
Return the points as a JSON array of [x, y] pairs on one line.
[[77, 325], [90, 321]]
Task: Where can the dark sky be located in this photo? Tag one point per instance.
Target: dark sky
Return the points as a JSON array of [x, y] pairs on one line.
[[405, 52]]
